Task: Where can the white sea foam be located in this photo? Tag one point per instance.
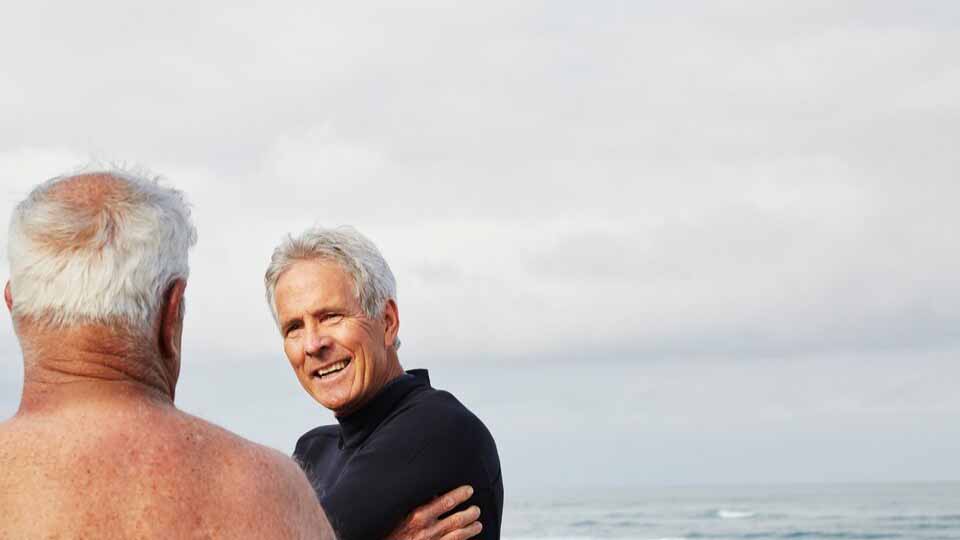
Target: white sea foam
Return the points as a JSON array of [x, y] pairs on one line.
[[734, 514]]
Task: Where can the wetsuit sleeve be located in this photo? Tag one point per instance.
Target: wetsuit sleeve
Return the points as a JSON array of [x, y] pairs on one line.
[[416, 458]]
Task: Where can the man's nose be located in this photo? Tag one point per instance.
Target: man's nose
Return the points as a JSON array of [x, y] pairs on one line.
[[316, 343]]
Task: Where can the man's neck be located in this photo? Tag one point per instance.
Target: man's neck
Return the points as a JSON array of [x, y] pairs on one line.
[[41, 398], [394, 372], [90, 365]]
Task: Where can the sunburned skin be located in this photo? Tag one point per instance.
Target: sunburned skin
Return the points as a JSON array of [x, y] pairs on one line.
[[134, 467], [98, 450]]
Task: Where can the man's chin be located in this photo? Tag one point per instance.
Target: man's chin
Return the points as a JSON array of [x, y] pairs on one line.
[[339, 407], [337, 402]]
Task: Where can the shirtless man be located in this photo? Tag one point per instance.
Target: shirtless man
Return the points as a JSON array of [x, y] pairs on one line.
[[98, 268]]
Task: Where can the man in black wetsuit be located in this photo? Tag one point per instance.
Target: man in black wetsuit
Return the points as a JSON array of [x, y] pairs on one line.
[[399, 442]]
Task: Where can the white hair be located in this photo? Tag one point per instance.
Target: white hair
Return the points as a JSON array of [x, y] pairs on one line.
[[104, 256], [373, 281]]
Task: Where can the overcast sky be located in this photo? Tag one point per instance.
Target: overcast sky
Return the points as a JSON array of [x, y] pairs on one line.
[[646, 242]]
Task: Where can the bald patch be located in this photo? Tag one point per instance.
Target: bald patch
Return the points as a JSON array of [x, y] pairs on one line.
[[93, 190], [89, 206]]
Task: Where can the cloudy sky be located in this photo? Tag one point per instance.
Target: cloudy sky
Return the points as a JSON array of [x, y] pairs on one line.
[[647, 242]]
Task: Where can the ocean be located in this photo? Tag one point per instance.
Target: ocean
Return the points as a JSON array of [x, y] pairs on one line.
[[803, 511]]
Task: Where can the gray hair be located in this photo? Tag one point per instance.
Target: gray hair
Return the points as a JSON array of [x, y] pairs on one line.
[[373, 281], [105, 258]]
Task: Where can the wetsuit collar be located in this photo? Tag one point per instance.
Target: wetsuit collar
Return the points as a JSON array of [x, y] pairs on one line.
[[355, 427]]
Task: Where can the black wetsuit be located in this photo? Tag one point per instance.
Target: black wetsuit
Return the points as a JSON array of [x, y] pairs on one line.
[[409, 444]]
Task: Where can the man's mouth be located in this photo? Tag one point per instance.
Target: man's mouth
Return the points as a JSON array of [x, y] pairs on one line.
[[336, 367]]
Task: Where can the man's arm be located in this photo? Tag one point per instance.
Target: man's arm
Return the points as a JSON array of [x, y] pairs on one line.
[[416, 458], [424, 523]]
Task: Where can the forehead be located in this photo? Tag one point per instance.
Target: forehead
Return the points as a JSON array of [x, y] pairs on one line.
[[312, 285]]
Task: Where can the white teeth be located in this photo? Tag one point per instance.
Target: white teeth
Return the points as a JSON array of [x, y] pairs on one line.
[[335, 367]]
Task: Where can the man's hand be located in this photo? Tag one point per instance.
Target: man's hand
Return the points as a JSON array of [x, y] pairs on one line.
[[423, 523]]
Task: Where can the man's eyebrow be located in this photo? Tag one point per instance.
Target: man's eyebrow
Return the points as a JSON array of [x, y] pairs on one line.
[[325, 309]]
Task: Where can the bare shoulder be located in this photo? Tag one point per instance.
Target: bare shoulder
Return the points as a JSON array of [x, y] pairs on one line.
[[266, 489], [152, 474], [8, 443]]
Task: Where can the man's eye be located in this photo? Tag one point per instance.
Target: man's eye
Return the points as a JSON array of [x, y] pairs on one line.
[[332, 318], [292, 330]]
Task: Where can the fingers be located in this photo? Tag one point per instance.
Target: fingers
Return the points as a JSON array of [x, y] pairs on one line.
[[462, 534], [460, 520], [424, 522], [446, 502]]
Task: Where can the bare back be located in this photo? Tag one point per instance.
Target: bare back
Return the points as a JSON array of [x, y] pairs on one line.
[[146, 471]]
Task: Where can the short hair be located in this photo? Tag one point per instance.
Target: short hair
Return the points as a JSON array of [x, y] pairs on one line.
[[373, 281], [103, 252]]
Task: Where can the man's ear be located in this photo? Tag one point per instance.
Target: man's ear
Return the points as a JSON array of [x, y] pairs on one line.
[[8, 296], [391, 319], [171, 319]]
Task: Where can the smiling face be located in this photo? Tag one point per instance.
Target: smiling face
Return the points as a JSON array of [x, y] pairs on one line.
[[340, 356]]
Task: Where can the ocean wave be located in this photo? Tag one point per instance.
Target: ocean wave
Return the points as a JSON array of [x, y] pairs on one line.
[[626, 514], [840, 535], [926, 526], [923, 517], [733, 514], [577, 538], [801, 535], [548, 538], [616, 524]]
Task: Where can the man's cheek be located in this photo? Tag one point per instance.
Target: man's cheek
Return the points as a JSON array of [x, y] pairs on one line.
[[295, 360]]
